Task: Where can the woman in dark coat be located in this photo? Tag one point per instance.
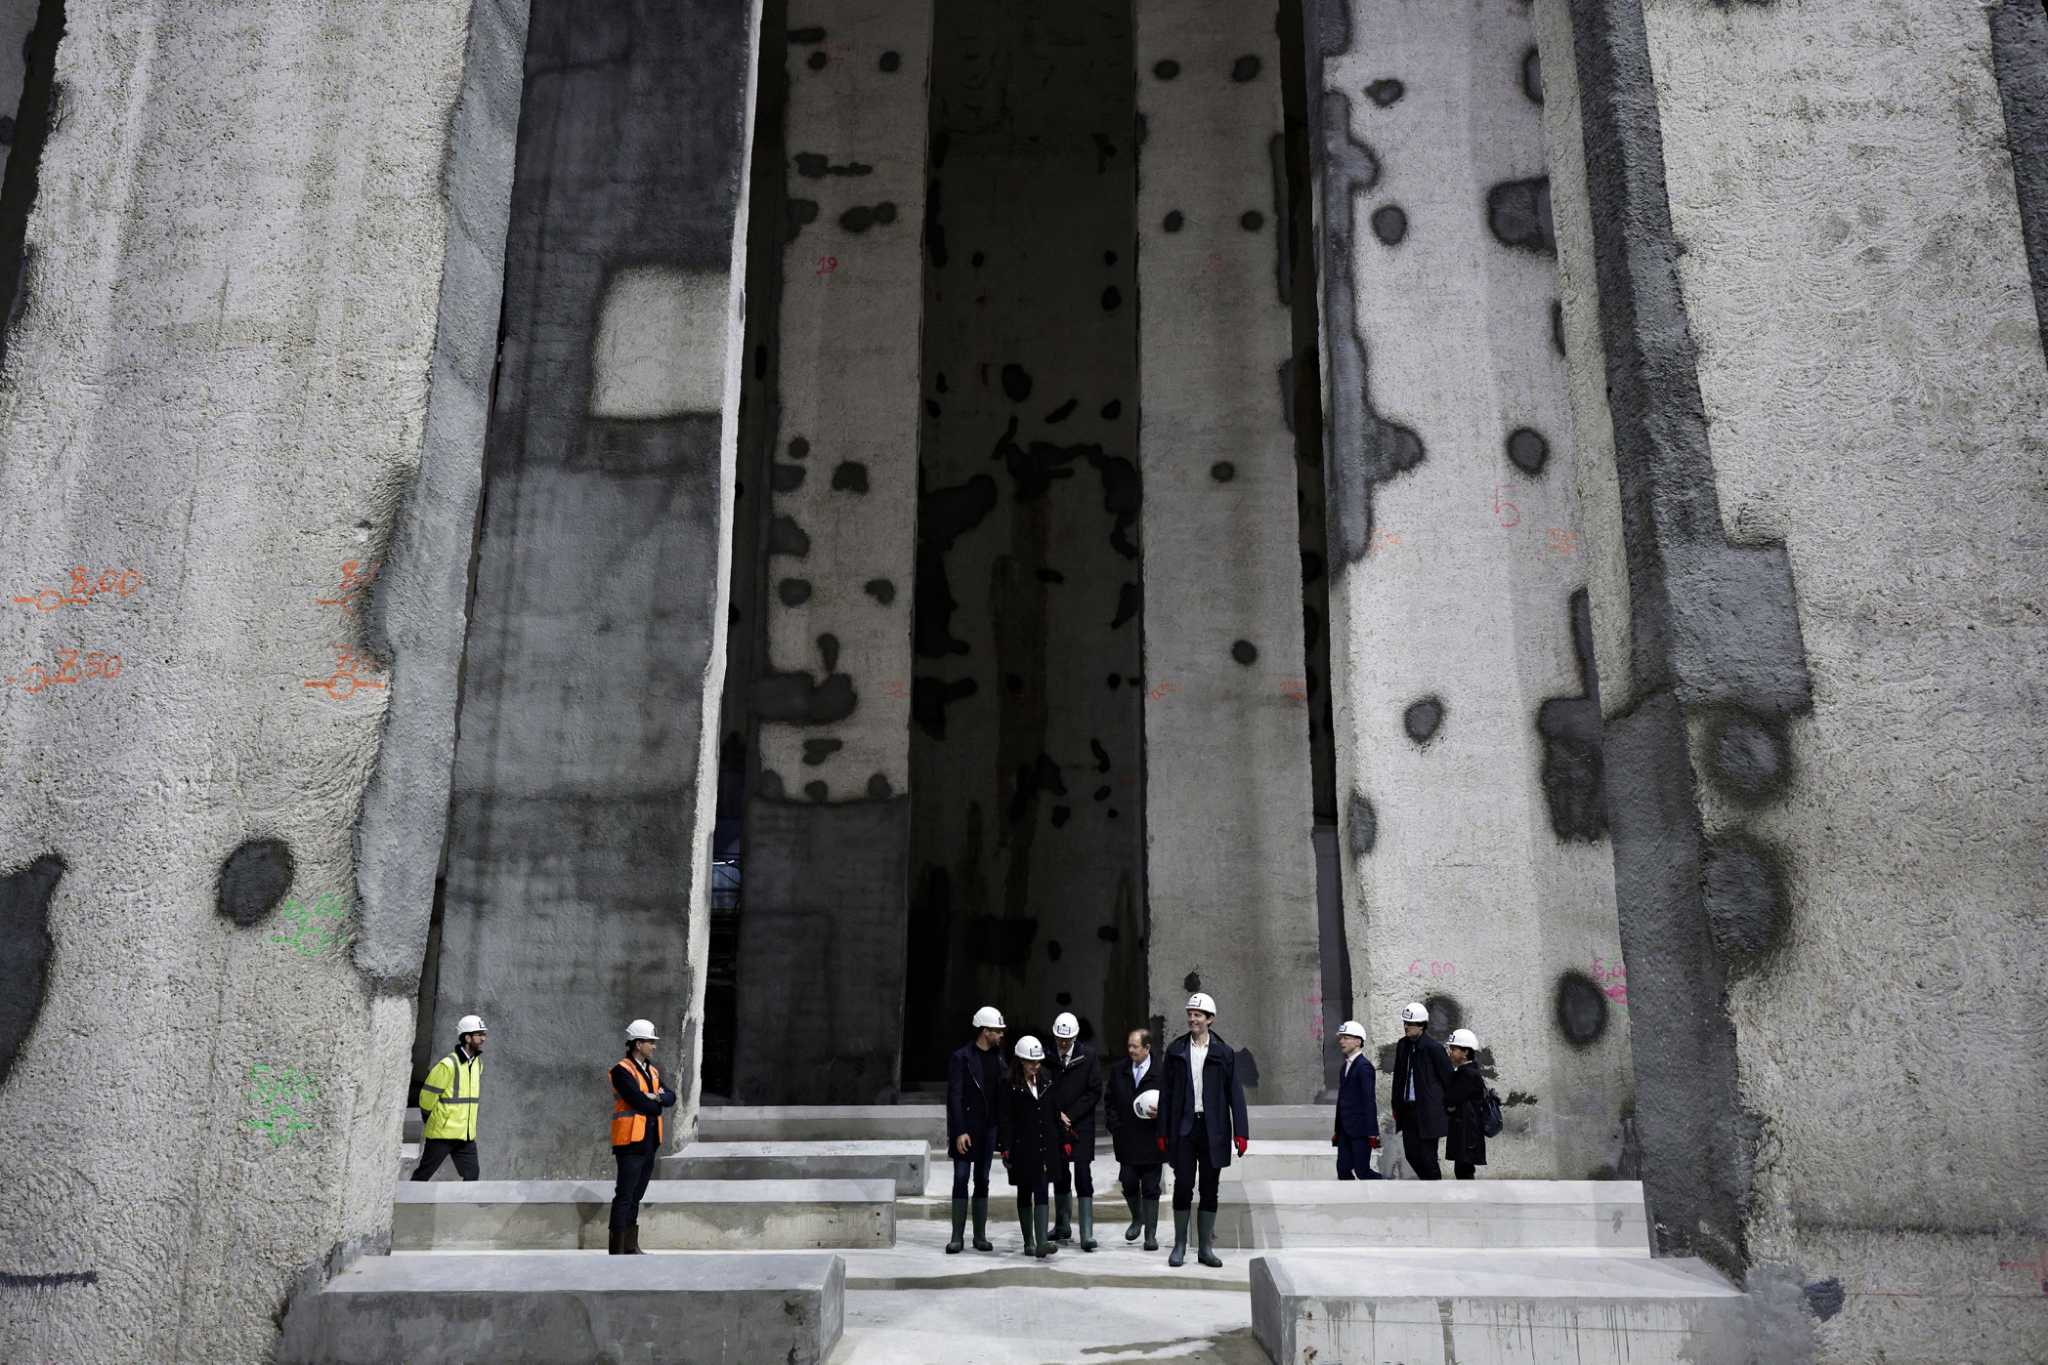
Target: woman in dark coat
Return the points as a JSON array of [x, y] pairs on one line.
[[1464, 1105], [1031, 1143]]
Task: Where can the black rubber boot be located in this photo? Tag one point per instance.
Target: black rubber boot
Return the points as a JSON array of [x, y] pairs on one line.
[[1205, 1225], [1087, 1211], [1136, 1206], [1045, 1244], [1024, 1219], [959, 1242], [633, 1240], [981, 1241], [1180, 1238], [1060, 1231], [1151, 1225], [617, 1245]]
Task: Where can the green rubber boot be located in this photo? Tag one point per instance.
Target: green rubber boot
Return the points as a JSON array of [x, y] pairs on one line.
[[959, 1242], [1151, 1224], [1061, 1232], [1087, 1223], [1137, 1226], [1180, 1238], [1205, 1225], [1046, 1246], [981, 1241], [1024, 1220]]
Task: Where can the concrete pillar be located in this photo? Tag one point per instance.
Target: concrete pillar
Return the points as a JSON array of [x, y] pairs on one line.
[[585, 779], [17, 19], [1230, 862], [1821, 651], [1479, 880], [825, 895], [243, 412]]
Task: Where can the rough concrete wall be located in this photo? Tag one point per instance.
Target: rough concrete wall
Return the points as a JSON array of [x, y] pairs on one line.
[[832, 701], [243, 360], [1025, 752], [576, 877], [17, 17], [1230, 862], [1464, 685], [1825, 777]]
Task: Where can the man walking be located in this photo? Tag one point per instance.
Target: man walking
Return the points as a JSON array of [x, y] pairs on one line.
[[1076, 1091], [977, 1093], [1201, 1113], [639, 1102], [1421, 1069], [1131, 1134], [1357, 1134], [448, 1104]]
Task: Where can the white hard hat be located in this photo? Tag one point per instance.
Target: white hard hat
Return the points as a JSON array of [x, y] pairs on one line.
[[1147, 1105], [1414, 1012], [1029, 1050], [641, 1028], [470, 1023], [1203, 1002], [1352, 1027], [988, 1016], [1465, 1038], [1066, 1026]]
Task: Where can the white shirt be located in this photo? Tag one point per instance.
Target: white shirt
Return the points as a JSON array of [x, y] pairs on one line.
[[1198, 1057], [1138, 1070], [1032, 1086], [1348, 1061]]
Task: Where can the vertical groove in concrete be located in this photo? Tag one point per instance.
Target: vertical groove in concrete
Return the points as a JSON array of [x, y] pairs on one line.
[[29, 33], [2019, 54]]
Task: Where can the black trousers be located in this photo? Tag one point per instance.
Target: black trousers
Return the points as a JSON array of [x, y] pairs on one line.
[[1139, 1182], [1192, 1162], [636, 1168], [974, 1164], [436, 1150], [1464, 1170], [1354, 1159], [1075, 1174], [1421, 1154]]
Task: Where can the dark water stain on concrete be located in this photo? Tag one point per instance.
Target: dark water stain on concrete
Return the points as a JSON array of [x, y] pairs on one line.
[[25, 960], [253, 881]]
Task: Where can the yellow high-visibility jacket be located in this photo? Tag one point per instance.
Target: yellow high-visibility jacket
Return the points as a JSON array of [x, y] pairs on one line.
[[448, 1098]]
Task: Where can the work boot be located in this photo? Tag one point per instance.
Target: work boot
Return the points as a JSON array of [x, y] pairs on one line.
[[1151, 1224], [1061, 1232], [1136, 1206], [1045, 1244], [633, 1240], [1180, 1238], [1087, 1223], [617, 1245], [1205, 1226], [981, 1241], [959, 1242], [1024, 1219]]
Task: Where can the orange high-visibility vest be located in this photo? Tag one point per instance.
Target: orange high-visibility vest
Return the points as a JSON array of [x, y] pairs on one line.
[[629, 1125]]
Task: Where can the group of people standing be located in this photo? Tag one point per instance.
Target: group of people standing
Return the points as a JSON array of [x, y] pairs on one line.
[[1037, 1114], [1439, 1095]]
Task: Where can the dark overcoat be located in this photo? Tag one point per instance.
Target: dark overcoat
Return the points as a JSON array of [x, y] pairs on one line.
[[1358, 1101], [1077, 1092], [1223, 1110], [1464, 1103], [1136, 1140], [1425, 1117], [970, 1108], [1030, 1135]]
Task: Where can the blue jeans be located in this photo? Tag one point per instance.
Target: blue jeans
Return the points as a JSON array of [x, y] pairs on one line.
[[976, 1162]]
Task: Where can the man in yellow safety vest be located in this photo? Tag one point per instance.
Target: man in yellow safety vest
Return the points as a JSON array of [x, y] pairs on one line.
[[448, 1099]]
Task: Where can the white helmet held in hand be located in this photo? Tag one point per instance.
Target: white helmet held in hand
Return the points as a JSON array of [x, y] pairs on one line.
[[1352, 1027], [639, 1029], [1203, 1002], [1147, 1105], [1066, 1026], [470, 1023], [1465, 1038], [988, 1016], [1029, 1049], [1414, 1012]]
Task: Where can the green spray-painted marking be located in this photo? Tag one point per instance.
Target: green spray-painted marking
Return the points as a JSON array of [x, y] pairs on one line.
[[282, 1097], [313, 929]]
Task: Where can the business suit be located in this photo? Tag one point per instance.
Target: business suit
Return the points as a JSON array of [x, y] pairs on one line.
[[977, 1092], [1358, 1119], [1075, 1082], [1421, 1120], [1135, 1142]]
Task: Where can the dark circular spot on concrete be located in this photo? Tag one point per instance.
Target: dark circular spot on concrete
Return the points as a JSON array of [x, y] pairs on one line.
[[1174, 221], [1245, 652], [1390, 223], [1013, 681], [1166, 70], [1112, 812], [977, 258], [1518, 213], [1109, 258], [931, 407], [25, 962], [1053, 950], [1385, 92], [785, 478], [1748, 757], [1527, 450], [1115, 681], [1581, 1009], [1251, 220], [1245, 68], [771, 785], [1825, 1297], [817, 791], [850, 477], [1112, 299], [890, 61], [1532, 75], [1192, 982], [254, 880], [1107, 933], [1016, 383], [816, 61], [1102, 793], [1064, 998], [794, 592], [1445, 1014], [1422, 718], [1060, 816], [1223, 471], [799, 447], [816, 751], [1744, 897], [861, 217], [1362, 830], [881, 589], [880, 788], [1112, 410]]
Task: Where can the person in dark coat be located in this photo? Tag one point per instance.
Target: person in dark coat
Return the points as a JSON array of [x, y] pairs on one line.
[[1031, 1143], [1201, 1114], [977, 1088], [1076, 1083], [1133, 1133], [1464, 1105], [640, 1103], [1421, 1070], [1357, 1134]]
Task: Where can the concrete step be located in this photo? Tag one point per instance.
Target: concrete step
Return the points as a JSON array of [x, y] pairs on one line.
[[918, 1262], [1439, 1307], [904, 1161], [676, 1215], [540, 1309], [1033, 1324], [1268, 1159], [823, 1122]]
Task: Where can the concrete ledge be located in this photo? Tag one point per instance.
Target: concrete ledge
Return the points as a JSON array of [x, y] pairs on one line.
[[555, 1307], [903, 1161], [676, 1215], [1436, 1307], [1604, 1215], [823, 1123]]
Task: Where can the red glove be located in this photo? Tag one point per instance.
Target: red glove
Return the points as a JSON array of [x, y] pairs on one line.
[[1242, 1143], [1375, 1142], [1003, 1157], [1333, 1139], [1162, 1144], [1067, 1148]]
